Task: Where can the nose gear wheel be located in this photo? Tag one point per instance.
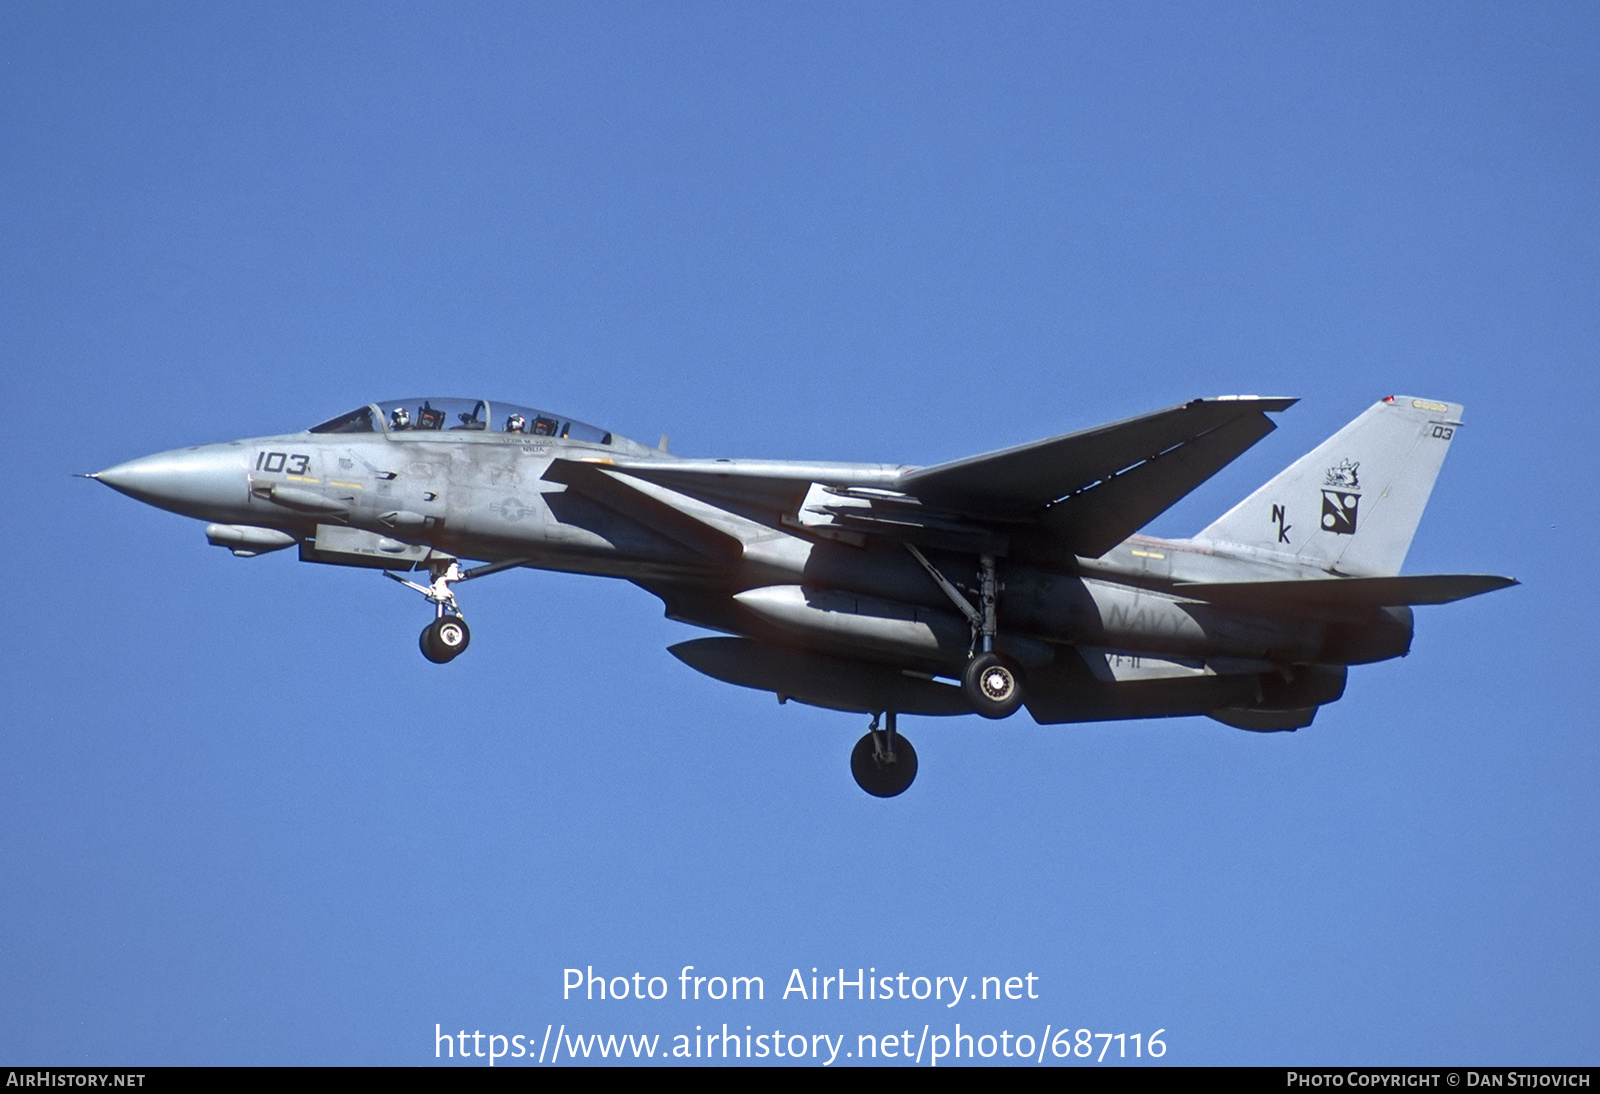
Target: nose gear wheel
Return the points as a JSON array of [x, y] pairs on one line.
[[445, 639]]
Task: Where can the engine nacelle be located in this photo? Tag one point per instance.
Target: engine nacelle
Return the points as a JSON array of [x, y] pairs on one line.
[[832, 617]]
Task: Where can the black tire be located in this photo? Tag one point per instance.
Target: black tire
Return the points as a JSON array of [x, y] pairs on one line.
[[429, 649], [879, 779], [445, 639], [993, 684]]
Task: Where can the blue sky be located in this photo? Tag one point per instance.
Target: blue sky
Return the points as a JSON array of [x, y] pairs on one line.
[[245, 822]]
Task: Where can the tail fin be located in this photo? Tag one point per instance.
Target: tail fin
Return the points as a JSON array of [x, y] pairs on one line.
[[1351, 504]]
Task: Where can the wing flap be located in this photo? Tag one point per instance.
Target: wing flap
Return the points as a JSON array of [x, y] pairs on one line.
[[1028, 477], [1096, 519]]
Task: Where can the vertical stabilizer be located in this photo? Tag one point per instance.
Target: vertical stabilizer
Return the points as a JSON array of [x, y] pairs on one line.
[[1352, 504]]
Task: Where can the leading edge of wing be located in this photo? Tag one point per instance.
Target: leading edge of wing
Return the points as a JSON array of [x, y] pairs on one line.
[[1017, 481]]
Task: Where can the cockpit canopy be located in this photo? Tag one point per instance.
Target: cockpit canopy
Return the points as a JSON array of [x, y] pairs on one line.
[[397, 416]]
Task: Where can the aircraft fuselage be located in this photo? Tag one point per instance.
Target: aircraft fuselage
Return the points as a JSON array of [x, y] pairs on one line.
[[488, 498], [1019, 573]]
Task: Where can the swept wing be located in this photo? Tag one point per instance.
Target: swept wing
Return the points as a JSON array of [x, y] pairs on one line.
[[1085, 491]]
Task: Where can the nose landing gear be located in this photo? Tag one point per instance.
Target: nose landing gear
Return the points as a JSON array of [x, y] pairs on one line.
[[447, 636]]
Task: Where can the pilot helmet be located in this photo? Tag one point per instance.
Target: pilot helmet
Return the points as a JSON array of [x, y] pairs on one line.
[[400, 418], [515, 423]]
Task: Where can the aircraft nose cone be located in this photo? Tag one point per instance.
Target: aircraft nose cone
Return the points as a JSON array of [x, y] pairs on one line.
[[134, 478], [197, 482]]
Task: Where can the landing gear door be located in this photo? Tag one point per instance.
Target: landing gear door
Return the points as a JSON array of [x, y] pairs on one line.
[[340, 545]]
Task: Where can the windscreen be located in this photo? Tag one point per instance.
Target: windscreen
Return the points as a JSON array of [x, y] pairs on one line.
[[358, 420]]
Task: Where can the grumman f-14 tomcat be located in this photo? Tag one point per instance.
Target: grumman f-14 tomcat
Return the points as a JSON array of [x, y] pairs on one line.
[[1015, 578]]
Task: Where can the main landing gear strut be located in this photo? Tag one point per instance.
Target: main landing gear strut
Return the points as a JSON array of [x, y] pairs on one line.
[[884, 763], [992, 681]]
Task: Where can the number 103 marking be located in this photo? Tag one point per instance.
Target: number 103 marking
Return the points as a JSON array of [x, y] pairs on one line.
[[283, 461]]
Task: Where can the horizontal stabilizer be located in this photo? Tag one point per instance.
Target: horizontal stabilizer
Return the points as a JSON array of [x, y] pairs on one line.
[[1346, 592]]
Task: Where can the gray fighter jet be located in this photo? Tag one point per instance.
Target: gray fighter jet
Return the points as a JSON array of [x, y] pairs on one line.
[[1014, 578]]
